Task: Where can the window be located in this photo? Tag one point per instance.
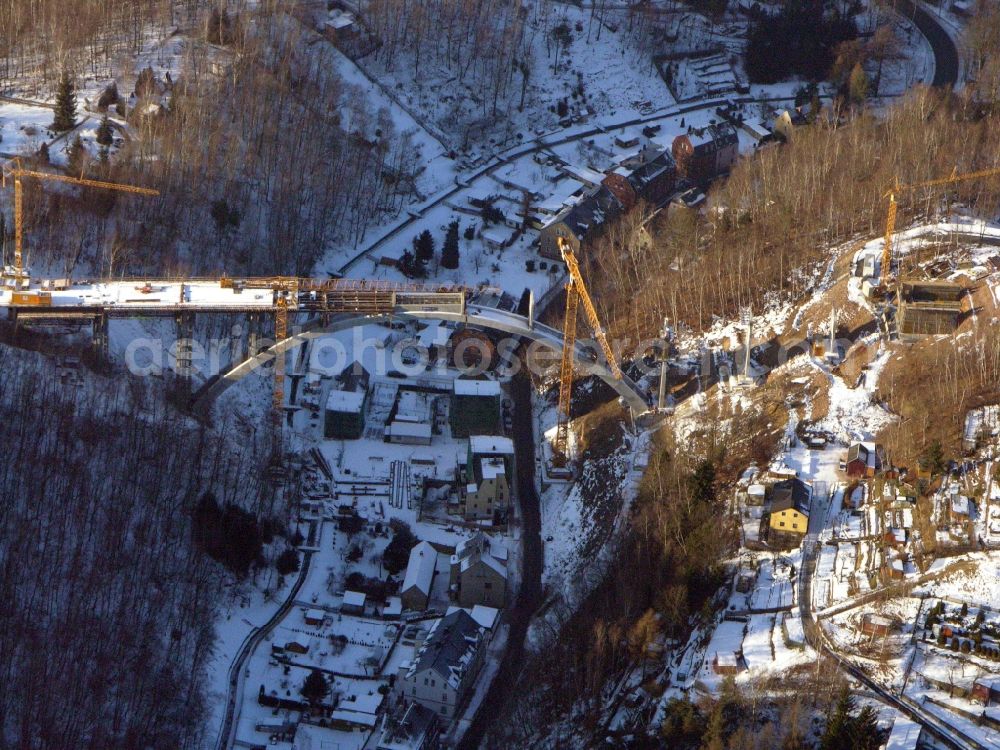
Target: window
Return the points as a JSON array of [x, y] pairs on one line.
[[425, 681], [414, 689], [433, 683], [487, 585], [782, 524], [444, 697], [444, 710]]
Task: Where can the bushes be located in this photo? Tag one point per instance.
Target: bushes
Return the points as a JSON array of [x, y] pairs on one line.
[[397, 552], [227, 534]]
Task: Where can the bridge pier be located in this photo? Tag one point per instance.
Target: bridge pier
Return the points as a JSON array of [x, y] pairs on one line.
[[99, 338], [255, 324], [183, 353]]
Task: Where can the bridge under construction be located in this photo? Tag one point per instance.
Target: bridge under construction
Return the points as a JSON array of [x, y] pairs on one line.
[[316, 305]]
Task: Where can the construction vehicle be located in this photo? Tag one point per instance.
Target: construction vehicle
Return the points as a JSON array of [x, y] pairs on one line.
[[16, 275], [576, 291], [31, 299], [896, 189]]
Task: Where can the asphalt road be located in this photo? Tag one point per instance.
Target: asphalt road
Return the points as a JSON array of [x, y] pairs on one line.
[[530, 594], [945, 52], [227, 733]]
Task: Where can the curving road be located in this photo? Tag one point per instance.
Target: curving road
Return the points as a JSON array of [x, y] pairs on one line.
[[946, 63], [228, 730]]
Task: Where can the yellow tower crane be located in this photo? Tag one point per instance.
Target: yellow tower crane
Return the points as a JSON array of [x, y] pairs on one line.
[[576, 291], [890, 220], [16, 275]]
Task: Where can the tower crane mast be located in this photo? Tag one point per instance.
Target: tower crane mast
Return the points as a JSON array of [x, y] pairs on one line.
[[576, 292], [16, 275]]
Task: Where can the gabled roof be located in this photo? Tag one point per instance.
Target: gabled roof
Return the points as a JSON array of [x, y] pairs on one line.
[[420, 568], [790, 494], [868, 453], [450, 647]]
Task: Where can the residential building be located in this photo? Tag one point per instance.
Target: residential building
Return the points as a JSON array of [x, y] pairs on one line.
[[865, 460], [409, 726], [444, 670], [579, 223], [485, 479], [345, 415], [704, 153], [786, 122], [655, 179], [353, 603], [479, 572], [790, 500], [416, 588]]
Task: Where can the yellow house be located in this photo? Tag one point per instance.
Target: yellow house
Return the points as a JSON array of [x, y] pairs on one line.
[[790, 507]]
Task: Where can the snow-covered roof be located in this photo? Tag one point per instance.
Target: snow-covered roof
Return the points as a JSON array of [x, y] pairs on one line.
[[486, 388], [349, 402], [394, 608], [315, 614], [420, 568], [408, 429], [756, 490], [904, 735], [489, 445], [354, 717], [483, 615], [492, 468], [354, 599], [450, 647]]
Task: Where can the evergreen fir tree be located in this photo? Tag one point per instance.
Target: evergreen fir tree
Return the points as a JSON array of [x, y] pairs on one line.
[[65, 118], [105, 136], [315, 688], [423, 246], [449, 253]]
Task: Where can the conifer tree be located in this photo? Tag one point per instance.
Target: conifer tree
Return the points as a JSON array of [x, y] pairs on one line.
[[105, 136], [423, 246], [449, 253], [65, 118]]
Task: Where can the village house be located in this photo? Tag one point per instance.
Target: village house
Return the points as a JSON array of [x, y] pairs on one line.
[[444, 670], [579, 223], [651, 176], [725, 663], [416, 588], [655, 179], [705, 153], [410, 726], [479, 572], [485, 479], [786, 122], [353, 603], [876, 625], [345, 415], [865, 460], [789, 519], [986, 690]]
